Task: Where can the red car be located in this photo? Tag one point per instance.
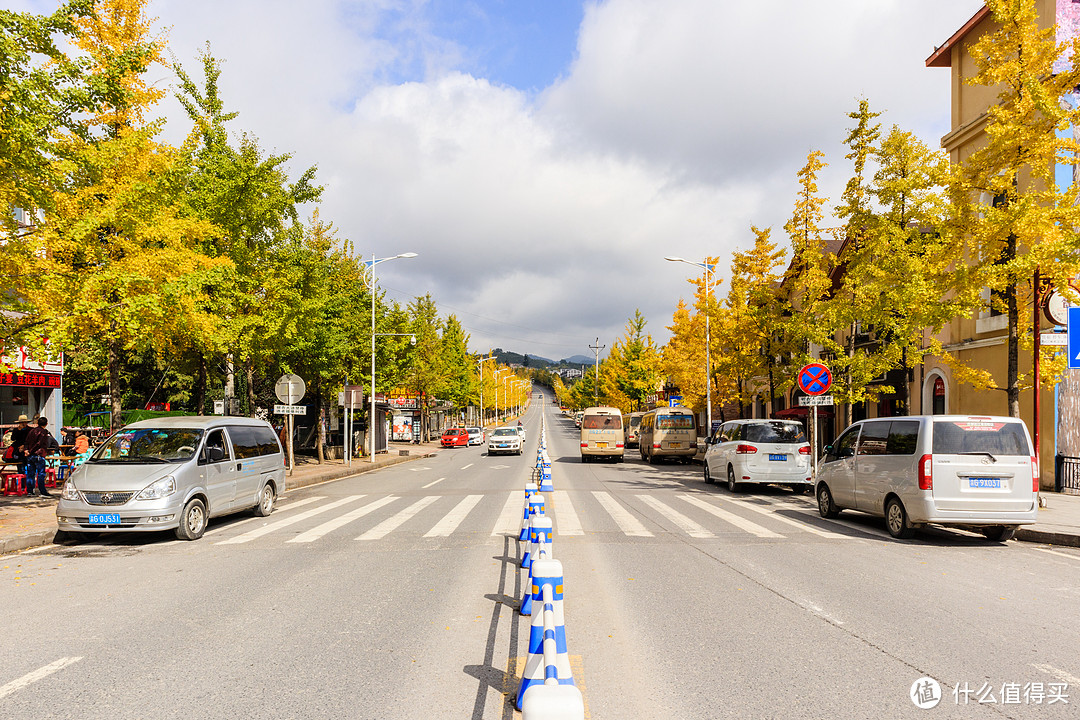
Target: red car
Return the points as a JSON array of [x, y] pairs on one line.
[[455, 437]]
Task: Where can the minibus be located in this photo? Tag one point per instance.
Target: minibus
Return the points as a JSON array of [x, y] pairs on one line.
[[668, 432], [601, 434]]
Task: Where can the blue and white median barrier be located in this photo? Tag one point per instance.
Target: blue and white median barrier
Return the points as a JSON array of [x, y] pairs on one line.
[[548, 659], [541, 550], [540, 525], [530, 490]]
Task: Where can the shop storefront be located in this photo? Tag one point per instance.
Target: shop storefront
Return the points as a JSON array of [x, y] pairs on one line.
[[31, 388]]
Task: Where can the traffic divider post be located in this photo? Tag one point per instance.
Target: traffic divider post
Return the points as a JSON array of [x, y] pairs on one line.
[[548, 659], [542, 550], [530, 490]]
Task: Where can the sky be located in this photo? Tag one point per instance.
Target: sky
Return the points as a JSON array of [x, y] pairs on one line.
[[542, 157]]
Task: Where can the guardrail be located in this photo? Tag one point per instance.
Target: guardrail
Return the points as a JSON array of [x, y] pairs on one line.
[[1067, 474]]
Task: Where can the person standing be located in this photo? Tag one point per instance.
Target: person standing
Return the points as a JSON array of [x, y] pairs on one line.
[[18, 440], [37, 447]]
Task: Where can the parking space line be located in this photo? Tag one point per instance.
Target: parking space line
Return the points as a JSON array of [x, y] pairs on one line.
[[330, 525], [741, 523], [565, 516], [392, 523], [32, 677], [685, 524], [446, 526], [267, 529], [629, 524], [510, 518]]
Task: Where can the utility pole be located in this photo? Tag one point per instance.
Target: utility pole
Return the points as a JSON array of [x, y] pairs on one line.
[[596, 380]]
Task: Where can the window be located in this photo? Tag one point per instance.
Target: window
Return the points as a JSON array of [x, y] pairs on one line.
[[216, 439], [939, 396], [903, 437], [976, 437], [875, 438], [775, 432], [244, 442], [602, 422], [845, 445], [675, 422], [169, 444], [268, 442]]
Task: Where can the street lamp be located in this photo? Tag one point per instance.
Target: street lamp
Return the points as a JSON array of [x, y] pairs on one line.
[[498, 383], [371, 421], [480, 367], [708, 268]]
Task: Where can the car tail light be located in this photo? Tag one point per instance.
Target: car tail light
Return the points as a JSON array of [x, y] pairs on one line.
[[805, 450], [1034, 475], [585, 444], [745, 449], [618, 445], [693, 446], [926, 472], [656, 446]]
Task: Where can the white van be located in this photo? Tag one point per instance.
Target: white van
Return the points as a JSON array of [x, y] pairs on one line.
[[601, 434], [668, 432], [759, 451], [959, 470], [174, 473]]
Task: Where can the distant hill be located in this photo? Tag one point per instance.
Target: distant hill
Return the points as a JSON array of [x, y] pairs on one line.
[[577, 360], [509, 357]]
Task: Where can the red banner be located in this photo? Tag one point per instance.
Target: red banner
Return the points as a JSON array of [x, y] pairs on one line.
[[32, 379]]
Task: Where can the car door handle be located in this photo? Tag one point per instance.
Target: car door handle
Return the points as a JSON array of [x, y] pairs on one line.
[[239, 466]]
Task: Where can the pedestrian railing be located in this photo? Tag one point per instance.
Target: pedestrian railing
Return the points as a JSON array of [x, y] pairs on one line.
[[1067, 474]]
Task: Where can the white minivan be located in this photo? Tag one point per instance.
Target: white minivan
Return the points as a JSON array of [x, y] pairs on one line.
[[174, 473], [759, 451], [960, 470]]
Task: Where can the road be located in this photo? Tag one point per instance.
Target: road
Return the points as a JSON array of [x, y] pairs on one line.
[[392, 594]]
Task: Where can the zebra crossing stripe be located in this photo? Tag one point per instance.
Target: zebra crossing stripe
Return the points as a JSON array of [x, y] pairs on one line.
[[742, 524], [565, 515], [449, 524], [629, 524], [685, 524], [802, 526], [330, 525], [510, 517], [271, 527], [283, 508], [392, 523]]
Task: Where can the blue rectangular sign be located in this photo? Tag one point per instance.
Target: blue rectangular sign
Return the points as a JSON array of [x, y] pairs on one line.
[[1074, 338]]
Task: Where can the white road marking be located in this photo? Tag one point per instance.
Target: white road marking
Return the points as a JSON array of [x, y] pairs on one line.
[[277, 509], [510, 518], [741, 523], [499, 467], [418, 469], [467, 466], [32, 677], [285, 522], [1058, 673], [685, 524], [629, 524], [330, 525], [565, 516], [1059, 554], [425, 487], [449, 524], [390, 524], [38, 549], [802, 526]]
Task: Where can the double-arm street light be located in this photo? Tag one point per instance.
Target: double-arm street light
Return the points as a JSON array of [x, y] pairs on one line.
[[498, 383], [708, 268], [480, 368], [371, 264]]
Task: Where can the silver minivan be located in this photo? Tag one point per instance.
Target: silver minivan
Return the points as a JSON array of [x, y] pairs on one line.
[[174, 473], [968, 471]]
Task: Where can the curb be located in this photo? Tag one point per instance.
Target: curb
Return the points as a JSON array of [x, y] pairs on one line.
[[37, 538], [1043, 536]]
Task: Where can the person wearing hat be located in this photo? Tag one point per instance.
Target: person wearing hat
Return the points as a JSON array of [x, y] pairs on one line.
[[37, 447], [18, 440]]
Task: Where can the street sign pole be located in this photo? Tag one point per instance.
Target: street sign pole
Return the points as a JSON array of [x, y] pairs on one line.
[[813, 440], [289, 419]]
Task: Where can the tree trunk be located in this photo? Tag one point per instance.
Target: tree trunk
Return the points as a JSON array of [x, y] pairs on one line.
[[904, 392], [116, 403], [320, 436], [249, 376], [200, 387]]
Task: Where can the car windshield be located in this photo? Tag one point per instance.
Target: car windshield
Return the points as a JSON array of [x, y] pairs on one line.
[[453, 431], [960, 437], [505, 432], [149, 445], [675, 422], [775, 432], [602, 422]]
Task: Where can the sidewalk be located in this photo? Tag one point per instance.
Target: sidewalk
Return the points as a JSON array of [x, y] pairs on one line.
[[27, 522]]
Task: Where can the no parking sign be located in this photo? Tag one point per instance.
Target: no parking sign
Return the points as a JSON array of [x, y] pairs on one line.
[[814, 379]]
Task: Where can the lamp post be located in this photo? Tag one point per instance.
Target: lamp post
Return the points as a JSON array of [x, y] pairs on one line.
[[371, 421], [498, 382], [480, 367], [708, 268]]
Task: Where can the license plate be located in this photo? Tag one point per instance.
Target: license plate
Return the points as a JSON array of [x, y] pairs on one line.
[[977, 482], [777, 457], [601, 444], [104, 519], [676, 446]]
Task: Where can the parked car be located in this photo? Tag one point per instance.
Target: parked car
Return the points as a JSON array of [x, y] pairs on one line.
[[476, 435], [504, 440], [174, 473], [967, 471], [759, 451], [455, 437]]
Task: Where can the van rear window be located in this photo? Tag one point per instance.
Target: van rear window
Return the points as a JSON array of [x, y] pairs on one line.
[[602, 422], [675, 422], [775, 432], [957, 437]]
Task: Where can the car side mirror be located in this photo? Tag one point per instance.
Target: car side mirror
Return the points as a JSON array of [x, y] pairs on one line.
[[216, 454], [827, 450]]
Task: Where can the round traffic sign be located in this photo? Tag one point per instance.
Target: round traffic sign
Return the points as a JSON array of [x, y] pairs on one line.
[[290, 389], [814, 379], [1056, 308]]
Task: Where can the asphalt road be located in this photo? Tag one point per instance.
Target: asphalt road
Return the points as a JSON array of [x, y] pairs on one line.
[[392, 595]]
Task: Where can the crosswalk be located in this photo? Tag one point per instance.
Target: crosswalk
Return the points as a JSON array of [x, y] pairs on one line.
[[703, 516]]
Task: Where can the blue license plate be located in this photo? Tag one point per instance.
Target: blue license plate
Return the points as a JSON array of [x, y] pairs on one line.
[[978, 482], [104, 519], [777, 457]]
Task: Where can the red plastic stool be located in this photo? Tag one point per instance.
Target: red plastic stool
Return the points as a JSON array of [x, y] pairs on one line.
[[14, 484], [50, 477]]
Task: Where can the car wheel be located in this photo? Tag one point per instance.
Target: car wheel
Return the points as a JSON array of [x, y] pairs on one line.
[[708, 477], [732, 486], [896, 519], [999, 533], [825, 506], [192, 520], [267, 497]]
